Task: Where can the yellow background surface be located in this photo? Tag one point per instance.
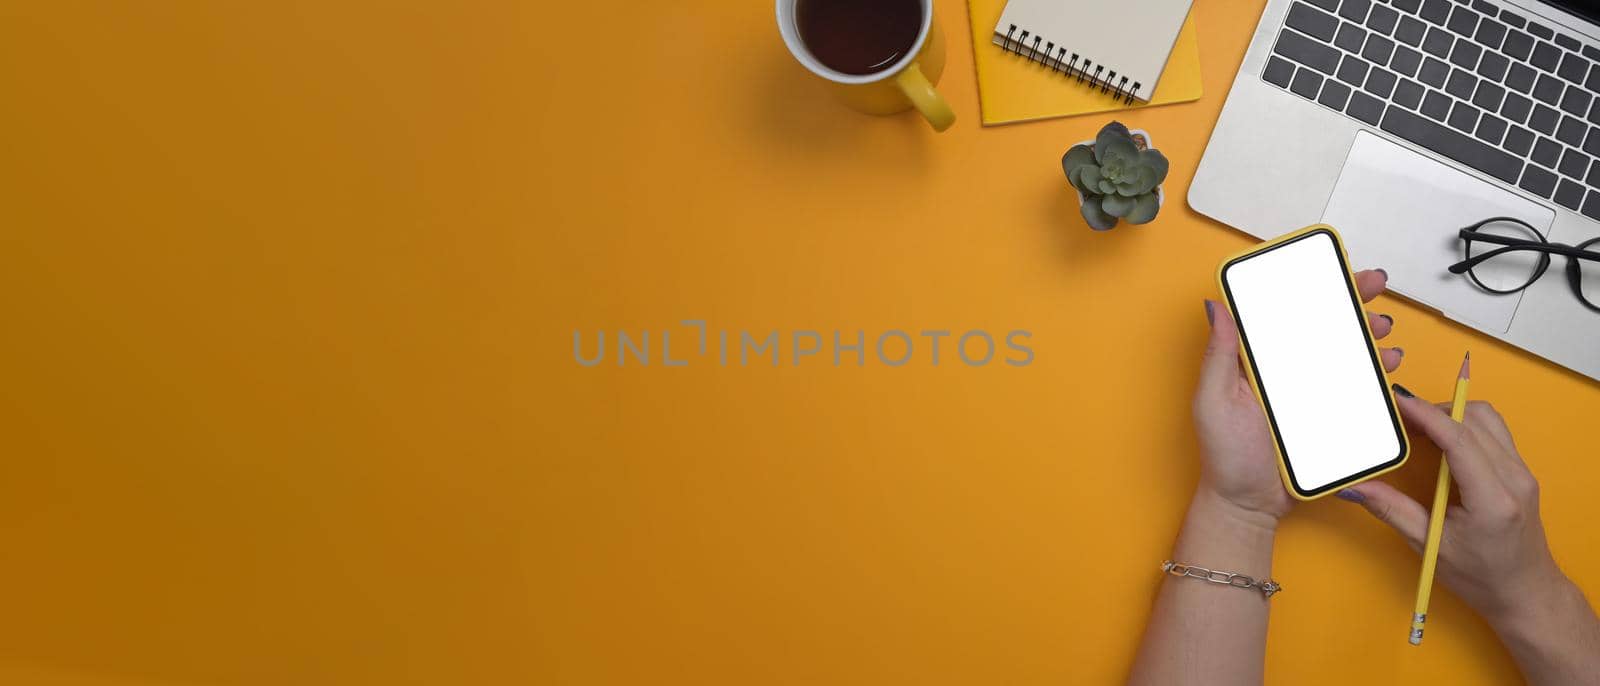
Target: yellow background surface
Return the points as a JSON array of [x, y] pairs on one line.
[[289, 292]]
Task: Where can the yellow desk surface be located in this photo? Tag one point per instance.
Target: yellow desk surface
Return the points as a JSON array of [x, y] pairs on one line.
[[289, 396]]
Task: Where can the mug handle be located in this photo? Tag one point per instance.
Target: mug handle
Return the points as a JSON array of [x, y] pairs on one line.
[[927, 100]]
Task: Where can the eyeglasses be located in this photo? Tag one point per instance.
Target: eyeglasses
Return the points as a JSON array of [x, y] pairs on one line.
[[1522, 256]]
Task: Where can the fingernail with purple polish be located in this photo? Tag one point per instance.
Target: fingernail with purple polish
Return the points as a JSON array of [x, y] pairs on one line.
[[1384, 272], [1387, 318], [1351, 495], [1211, 315], [1402, 390]]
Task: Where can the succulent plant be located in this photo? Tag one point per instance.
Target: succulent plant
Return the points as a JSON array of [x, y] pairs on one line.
[[1117, 179]]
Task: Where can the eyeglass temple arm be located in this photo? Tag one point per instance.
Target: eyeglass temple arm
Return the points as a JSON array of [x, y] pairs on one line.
[[1514, 245]]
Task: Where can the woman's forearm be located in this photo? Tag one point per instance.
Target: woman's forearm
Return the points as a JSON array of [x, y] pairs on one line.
[[1554, 636], [1204, 633]]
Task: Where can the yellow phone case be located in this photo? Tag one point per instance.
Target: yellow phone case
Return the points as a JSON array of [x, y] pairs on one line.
[[1255, 382]]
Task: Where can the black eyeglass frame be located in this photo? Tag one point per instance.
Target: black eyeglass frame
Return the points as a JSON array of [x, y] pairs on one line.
[[1543, 247]]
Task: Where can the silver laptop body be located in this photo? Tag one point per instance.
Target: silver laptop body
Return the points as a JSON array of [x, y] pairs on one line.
[[1399, 122]]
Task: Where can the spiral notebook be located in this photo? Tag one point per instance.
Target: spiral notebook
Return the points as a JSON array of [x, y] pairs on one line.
[[1019, 82]]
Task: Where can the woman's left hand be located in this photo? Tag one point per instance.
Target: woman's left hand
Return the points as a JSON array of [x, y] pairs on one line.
[[1238, 462]]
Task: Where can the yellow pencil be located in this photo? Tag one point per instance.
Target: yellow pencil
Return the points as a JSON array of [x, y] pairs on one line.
[[1441, 498]]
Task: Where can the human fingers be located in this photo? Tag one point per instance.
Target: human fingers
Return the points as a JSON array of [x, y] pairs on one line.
[[1478, 479], [1406, 516], [1380, 323], [1371, 282], [1391, 357], [1220, 368]]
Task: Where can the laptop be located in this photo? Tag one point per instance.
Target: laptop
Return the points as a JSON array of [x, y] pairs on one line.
[[1400, 122]]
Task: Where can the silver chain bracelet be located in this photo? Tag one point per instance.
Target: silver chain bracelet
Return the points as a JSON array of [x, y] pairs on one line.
[[1266, 586]]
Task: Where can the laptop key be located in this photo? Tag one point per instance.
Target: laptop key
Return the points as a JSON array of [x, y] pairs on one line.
[[1436, 105], [1461, 84], [1329, 5], [1518, 45], [1538, 181], [1549, 89], [1546, 56], [1591, 144], [1569, 194], [1408, 5], [1515, 108], [1312, 21], [1591, 205], [1408, 94], [1573, 67], [1576, 101], [1382, 19], [1520, 77], [1437, 12], [1350, 38], [1546, 152], [1306, 83], [1334, 95], [1490, 33], [1544, 120], [1437, 43], [1593, 179], [1518, 141], [1591, 52], [1463, 117], [1485, 7], [1574, 163], [1308, 52], [1452, 144], [1463, 21], [1568, 42], [1378, 49], [1278, 72], [1594, 112], [1406, 61], [1488, 96], [1380, 83], [1354, 10], [1465, 55], [1593, 82], [1352, 70], [1493, 66], [1571, 131], [1490, 129], [1513, 18], [1365, 107], [1410, 31], [1540, 30]]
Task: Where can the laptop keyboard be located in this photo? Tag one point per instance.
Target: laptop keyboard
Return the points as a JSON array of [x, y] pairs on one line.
[[1484, 86]]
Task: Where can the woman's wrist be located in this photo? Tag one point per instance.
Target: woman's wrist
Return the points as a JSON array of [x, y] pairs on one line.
[[1219, 533]]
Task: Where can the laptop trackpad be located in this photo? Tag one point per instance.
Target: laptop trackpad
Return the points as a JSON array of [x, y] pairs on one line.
[[1401, 211]]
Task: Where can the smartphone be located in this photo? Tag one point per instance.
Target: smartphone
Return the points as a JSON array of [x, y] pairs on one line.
[[1310, 355]]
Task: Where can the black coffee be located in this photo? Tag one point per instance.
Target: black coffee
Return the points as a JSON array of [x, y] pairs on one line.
[[859, 36]]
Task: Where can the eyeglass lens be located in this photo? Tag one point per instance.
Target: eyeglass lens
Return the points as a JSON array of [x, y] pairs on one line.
[[1512, 270], [1589, 274]]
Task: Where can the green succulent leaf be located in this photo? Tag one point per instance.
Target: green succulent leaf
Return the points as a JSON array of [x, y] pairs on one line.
[[1153, 159], [1096, 217], [1114, 131], [1117, 205], [1076, 156], [1075, 177], [1144, 209], [1091, 178]]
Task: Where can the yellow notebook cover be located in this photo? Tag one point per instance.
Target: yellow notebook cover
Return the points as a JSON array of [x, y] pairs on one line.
[[1012, 89]]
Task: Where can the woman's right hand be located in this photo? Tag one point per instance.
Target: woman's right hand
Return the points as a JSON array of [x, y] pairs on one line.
[[1493, 552]]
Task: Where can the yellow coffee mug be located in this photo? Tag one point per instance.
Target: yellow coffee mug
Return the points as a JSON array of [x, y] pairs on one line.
[[901, 86]]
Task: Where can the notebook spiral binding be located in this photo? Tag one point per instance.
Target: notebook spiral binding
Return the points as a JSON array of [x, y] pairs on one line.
[[1035, 48]]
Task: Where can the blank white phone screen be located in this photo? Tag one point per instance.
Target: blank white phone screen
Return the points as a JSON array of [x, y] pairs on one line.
[[1313, 361]]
